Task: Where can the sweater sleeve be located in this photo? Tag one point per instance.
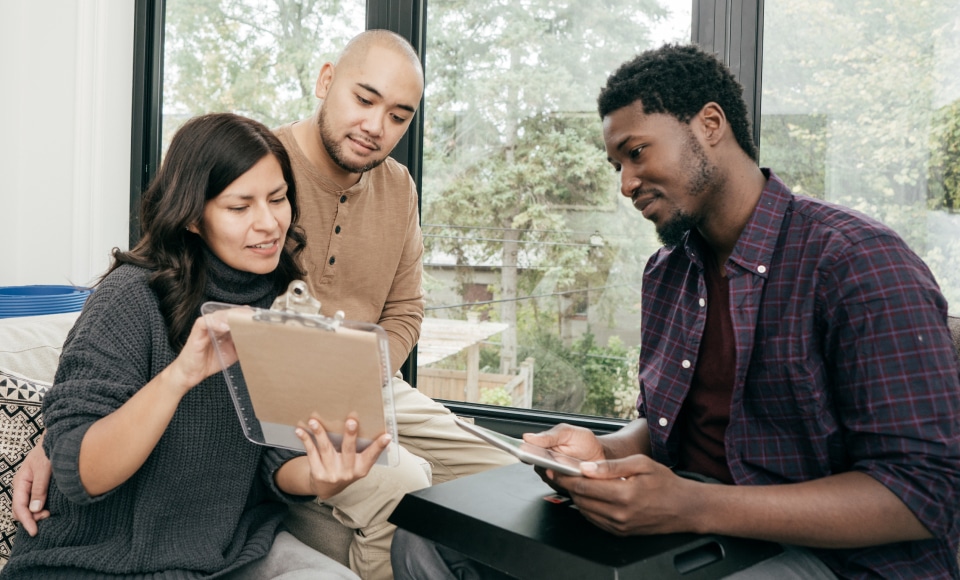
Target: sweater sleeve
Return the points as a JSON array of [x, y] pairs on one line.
[[272, 459], [402, 314], [105, 360]]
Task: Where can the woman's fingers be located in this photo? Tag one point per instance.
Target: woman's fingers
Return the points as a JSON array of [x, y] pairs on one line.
[[348, 448], [317, 445], [329, 465], [369, 455]]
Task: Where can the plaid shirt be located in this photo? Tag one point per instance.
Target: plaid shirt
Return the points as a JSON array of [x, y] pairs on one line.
[[844, 362]]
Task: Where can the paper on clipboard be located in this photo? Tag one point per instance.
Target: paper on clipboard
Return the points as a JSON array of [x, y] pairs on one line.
[[282, 365]]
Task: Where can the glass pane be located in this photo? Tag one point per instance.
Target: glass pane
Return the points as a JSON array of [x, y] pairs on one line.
[[861, 106], [258, 58], [533, 260]]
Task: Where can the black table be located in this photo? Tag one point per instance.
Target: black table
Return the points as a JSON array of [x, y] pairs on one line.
[[501, 518]]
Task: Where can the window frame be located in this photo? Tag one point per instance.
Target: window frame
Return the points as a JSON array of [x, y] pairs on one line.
[[732, 29]]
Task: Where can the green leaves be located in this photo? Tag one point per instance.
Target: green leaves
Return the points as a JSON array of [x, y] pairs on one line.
[[258, 58], [944, 174]]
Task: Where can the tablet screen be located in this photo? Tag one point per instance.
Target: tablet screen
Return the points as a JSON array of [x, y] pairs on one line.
[[526, 452]]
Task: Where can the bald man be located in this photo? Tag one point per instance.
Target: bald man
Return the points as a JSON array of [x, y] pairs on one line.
[[363, 256]]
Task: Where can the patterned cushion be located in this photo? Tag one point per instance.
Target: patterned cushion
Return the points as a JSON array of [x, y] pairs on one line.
[[20, 427]]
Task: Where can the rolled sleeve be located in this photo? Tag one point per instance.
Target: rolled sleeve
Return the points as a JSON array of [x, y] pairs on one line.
[[897, 388]]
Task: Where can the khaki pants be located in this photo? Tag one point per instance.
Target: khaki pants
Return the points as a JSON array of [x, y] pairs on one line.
[[427, 432]]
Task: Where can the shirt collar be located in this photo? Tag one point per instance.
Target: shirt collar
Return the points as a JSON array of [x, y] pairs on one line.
[[754, 249]]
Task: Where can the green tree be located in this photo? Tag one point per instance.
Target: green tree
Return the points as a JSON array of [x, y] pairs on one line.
[[512, 139], [258, 58], [852, 100], [584, 377], [944, 177]]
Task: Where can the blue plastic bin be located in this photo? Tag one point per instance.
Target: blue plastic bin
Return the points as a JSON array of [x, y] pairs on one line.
[[41, 299]]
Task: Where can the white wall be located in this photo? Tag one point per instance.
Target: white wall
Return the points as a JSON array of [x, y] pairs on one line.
[[66, 74]]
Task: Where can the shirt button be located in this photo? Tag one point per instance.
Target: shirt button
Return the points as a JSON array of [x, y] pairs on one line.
[[343, 199], [702, 303], [337, 230], [663, 421], [685, 364], [332, 260], [761, 269]]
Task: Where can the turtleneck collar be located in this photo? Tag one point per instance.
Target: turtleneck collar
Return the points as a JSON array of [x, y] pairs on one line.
[[226, 284]]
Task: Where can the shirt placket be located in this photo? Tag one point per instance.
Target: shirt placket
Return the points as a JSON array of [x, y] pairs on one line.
[[679, 365], [341, 213], [746, 290]]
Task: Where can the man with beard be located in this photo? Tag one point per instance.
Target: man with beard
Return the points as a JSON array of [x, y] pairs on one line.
[[363, 256], [796, 364]]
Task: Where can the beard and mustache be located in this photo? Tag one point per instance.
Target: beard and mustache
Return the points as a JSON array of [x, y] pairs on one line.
[[335, 149], [703, 181]]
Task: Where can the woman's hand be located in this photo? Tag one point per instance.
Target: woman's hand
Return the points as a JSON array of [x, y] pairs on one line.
[[198, 359], [117, 445], [330, 471]]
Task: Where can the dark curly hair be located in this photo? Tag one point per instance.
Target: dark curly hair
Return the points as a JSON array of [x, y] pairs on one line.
[[206, 155], [679, 80]]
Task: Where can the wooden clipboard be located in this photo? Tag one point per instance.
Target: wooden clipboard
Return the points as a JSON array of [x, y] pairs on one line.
[[281, 365]]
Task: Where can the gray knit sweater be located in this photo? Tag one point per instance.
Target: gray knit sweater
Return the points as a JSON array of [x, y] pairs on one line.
[[203, 504]]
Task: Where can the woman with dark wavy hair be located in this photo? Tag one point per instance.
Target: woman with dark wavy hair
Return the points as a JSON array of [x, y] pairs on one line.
[[153, 477]]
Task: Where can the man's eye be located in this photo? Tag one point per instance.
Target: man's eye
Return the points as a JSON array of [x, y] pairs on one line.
[[634, 153], [363, 101]]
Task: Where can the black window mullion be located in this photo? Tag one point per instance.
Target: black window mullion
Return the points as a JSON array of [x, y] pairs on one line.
[[147, 103], [408, 18], [733, 30]]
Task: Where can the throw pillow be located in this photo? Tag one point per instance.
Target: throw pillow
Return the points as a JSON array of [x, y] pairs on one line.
[[20, 427]]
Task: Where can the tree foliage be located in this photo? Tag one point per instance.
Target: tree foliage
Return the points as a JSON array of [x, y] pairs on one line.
[[584, 377], [512, 138], [852, 112], [944, 177], [258, 58]]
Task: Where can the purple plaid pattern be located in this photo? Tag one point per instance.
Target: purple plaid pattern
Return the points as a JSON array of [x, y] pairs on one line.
[[844, 362]]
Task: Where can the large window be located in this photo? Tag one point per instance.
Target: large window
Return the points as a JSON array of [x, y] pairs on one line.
[[533, 261], [258, 58], [533, 258], [861, 106]]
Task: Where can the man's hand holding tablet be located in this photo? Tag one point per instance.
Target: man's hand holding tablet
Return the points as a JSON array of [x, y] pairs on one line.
[[526, 452]]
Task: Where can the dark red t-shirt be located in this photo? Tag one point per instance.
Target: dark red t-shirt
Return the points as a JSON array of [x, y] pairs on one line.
[[703, 419]]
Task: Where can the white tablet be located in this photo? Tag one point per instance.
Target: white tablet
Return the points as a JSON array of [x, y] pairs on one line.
[[526, 452]]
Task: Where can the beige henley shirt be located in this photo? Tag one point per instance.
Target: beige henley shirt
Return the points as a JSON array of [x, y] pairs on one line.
[[364, 247]]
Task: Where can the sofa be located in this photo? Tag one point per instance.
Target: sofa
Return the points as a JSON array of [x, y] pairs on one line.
[[29, 351]]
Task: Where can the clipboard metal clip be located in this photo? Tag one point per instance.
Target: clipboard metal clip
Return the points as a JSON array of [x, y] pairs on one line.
[[295, 304]]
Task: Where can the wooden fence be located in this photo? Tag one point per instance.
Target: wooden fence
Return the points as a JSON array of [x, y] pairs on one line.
[[453, 384]]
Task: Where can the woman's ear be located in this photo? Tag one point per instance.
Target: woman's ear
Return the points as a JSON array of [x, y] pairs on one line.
[[192, 228]]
